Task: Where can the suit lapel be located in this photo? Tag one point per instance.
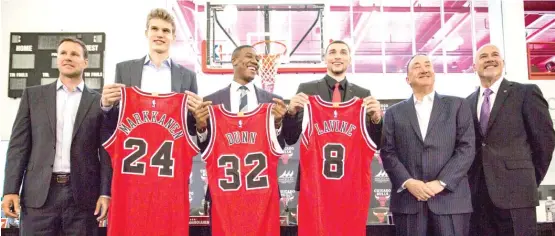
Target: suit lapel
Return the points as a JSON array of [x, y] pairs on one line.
[[411, 111], [226, 98], [49, 93], [502, 94], [87, 99], [437, 111], [349, 92], [136, 72], [323, 90], [474, 106], [177, 74], [261, 96]]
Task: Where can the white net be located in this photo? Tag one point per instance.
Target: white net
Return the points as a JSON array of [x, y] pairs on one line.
[[270, 53]]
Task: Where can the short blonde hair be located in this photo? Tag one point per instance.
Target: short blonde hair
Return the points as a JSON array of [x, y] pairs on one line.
[[162, 14]]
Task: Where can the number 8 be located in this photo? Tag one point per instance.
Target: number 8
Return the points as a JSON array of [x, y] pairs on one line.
[[334, 161]]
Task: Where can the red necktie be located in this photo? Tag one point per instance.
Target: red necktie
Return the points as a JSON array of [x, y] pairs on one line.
[[336, 94]]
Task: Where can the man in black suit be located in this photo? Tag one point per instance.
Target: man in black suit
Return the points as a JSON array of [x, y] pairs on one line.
[[427, 149], [155, 72], [334, 87], [515, 141], [240, 96], [55, 154]]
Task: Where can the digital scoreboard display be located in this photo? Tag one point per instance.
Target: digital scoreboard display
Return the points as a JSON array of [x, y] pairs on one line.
[[33, 60]]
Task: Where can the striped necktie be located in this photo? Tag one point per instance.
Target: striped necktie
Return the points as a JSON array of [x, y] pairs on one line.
[[243, 99]]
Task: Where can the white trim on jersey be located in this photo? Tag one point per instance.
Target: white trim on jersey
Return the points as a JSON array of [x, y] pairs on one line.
[[185, 126], [245, 114], [271, 132], [121, 114], [306, 124], [368, 140], [147, 94], [213, 134], [320, 101]]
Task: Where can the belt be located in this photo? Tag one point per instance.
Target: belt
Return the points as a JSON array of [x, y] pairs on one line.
[[61, 178]]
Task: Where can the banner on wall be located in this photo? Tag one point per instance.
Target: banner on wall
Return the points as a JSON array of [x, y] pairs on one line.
[[287, 177]]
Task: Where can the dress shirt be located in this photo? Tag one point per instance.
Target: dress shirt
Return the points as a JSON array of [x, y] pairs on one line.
[[494, 88], [235, 95], [157, 79], [67, 103], [331, 86], [423, 112], [154, 79]]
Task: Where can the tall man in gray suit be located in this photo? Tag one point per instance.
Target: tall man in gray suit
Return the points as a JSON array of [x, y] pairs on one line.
[[156, 72], [427, 149], [515, 141], [55, 154]]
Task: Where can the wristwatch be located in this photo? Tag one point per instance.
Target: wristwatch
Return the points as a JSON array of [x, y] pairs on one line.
[[442, 184]]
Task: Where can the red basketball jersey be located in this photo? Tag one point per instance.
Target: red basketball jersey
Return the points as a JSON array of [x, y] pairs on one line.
[[241, 161], [151, 156], [336, 154]]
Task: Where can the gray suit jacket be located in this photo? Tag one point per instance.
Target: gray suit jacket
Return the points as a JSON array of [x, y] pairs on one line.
[[130, 73], [32, 147], [445, 154]]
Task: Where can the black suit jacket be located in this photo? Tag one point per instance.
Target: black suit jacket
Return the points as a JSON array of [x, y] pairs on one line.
[[517, 149], [130, 73], [223, 96], [292, 125], [32, 149], [445, 154]]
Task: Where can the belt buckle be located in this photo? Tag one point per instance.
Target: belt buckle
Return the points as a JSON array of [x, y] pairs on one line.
[[62, 179]]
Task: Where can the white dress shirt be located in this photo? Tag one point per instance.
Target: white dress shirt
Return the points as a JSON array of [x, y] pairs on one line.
[[67, 103], [424, 111], [494, 88], [156, 79], [235, 100]]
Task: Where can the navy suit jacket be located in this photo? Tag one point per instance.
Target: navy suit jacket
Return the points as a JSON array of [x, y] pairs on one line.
[[445, 154]]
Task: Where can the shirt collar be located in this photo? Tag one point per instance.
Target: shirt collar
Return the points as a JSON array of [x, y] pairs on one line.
[[60, 85], [494, 87], [428, 98], [235, 86], [167, 62], [331, 82]]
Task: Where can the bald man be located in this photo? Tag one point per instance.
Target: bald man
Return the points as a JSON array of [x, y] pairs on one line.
[[514, 144]]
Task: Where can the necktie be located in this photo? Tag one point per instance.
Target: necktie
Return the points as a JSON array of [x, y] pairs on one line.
[[336, 94], [243, 99], [485, 111]]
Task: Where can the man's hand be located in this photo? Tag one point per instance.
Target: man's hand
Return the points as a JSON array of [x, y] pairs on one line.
[[201, 115], [419, 189], [373, 109], [435, 186], [102, 206], [278, 110], [111, 94], [193, 101], [11, 201], [297, 103]]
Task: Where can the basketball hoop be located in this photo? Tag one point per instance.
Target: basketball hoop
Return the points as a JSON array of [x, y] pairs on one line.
[[270, 53]]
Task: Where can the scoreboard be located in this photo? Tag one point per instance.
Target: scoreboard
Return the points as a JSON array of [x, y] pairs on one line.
[[33, 60]]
